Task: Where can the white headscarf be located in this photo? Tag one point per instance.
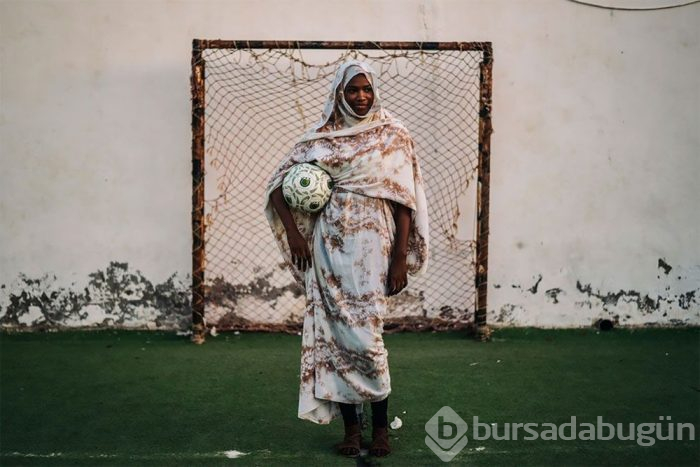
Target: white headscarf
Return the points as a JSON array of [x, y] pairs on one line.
[[349, 116], [353, 123]]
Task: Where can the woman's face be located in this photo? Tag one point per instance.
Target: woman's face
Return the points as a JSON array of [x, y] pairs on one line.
[[359, 94]]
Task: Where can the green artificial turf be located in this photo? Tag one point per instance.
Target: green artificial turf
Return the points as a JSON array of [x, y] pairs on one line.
[[153, 398]]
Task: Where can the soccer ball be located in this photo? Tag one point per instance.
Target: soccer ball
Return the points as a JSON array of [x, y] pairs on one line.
[[307, 187]]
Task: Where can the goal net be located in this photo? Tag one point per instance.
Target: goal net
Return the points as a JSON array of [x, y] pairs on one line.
[[251, 101]]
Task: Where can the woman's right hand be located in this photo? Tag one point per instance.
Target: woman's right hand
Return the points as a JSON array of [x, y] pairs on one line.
[[301, 256]]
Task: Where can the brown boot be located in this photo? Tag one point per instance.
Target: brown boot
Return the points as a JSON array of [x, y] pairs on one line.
[[380, 442], [350, 446]]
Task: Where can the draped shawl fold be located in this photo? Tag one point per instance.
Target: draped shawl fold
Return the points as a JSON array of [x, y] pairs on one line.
[[373, 164]]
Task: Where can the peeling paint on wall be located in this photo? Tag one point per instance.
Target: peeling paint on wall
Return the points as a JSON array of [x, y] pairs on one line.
[[120, 297], [116, 297], [553, 293], [533, 289], [667, 304], [666, 267], [644, 304]]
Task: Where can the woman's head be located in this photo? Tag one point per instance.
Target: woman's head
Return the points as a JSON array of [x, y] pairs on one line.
[[358, 91], [353, 103]]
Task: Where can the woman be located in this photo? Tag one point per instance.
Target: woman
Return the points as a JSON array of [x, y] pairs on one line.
[[354, 253]]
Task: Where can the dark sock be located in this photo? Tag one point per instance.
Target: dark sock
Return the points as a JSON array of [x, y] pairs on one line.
[[349, 413], [379, 413]]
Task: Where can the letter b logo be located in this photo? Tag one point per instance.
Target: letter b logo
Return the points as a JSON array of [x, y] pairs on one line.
[[443, 432], [446, 434]]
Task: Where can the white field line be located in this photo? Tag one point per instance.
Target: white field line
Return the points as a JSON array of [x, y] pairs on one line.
[[231, 454]]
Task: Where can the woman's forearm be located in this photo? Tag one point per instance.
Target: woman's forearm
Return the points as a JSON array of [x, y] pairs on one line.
[[402, 219], [283, 211]]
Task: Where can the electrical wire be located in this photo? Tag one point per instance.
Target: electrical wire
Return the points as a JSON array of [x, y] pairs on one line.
[[581, 2]]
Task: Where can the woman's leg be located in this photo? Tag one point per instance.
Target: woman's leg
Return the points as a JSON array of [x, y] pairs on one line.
[[350, 446], [380, 429], [349, 413], [379, 413]]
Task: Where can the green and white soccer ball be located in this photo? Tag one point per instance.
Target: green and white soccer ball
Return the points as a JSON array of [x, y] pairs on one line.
[[307, 187]]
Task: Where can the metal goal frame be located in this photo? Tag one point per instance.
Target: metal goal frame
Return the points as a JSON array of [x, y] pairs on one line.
[[197, 82]]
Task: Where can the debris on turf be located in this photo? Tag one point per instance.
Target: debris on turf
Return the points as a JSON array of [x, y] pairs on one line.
[[233, 454], [396, 423]]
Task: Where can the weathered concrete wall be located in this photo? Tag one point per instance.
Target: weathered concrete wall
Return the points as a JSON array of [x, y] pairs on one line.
[[594, 155]]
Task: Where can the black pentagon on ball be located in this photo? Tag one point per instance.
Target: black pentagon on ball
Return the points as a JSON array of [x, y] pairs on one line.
[[305, 181]]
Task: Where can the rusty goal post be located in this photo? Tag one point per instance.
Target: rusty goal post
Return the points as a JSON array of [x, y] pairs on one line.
[[251, 99]]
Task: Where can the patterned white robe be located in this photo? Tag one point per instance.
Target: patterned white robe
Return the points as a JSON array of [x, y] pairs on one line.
[[343, 358]]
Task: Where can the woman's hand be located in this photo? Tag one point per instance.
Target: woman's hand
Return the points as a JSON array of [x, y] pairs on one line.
[[398, 274], [301, 256]]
